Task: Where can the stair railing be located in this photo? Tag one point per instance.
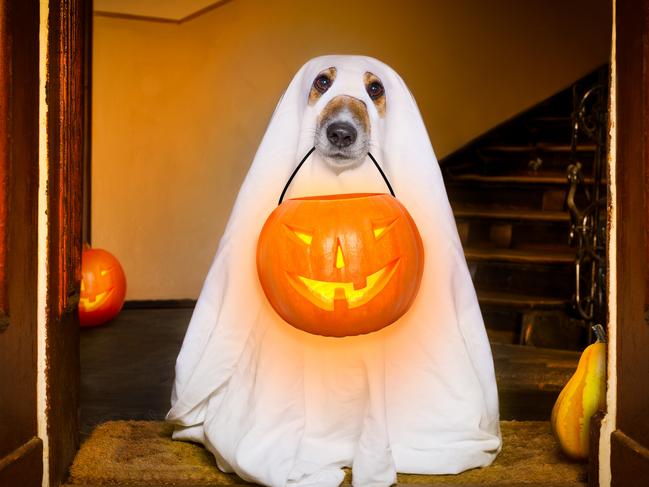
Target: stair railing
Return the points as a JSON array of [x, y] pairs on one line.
[[585, 201]]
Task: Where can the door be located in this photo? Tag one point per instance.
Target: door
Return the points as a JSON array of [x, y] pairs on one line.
[[20, 448], [67, 50], [630, 441]]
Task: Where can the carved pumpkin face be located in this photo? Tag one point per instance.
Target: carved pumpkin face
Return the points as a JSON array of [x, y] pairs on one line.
[[103, 287], [340, 265]]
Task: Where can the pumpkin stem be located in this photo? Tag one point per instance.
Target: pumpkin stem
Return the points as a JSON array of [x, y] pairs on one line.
[[599, 332]]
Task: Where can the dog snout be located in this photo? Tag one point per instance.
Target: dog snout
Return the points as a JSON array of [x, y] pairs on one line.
[[341, 134]]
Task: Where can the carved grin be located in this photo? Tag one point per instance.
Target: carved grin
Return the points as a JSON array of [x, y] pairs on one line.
[[92, 304], [325, 294]]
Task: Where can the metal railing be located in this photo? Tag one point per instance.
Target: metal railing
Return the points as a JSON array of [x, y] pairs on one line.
[[586, 200]]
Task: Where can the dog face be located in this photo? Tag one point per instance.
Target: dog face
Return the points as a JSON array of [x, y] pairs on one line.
[[343, 126]]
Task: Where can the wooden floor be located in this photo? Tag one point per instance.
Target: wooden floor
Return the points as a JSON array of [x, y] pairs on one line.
[[127, 366], [127, 370]]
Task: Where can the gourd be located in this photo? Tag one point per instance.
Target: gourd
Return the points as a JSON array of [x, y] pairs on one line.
[[582, 396]]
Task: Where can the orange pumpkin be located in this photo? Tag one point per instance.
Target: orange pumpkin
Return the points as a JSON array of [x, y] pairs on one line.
[[340, 265], [103, 287]]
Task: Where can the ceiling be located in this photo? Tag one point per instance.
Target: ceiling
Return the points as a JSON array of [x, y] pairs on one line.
[[169, 10]]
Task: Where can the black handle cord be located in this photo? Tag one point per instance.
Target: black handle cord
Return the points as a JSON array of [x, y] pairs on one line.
[[382, 174], [281, 197]]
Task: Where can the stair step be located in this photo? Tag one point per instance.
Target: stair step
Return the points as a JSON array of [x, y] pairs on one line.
[[519, 256], [531, 197], [550, 119], [547, 178], [518, 149], [513, 277], [530, 379], [520, 301], [512, 214], [511, 179], [531, 368]]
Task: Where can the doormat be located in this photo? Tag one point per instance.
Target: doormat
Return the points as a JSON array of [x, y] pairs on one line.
[[142, 453]]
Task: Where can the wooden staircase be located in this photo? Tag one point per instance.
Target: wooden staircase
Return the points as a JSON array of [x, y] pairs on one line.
[[508, 192]]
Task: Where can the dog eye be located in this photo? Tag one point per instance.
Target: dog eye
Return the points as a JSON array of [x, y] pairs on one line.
[[322, 83], [375, 90]]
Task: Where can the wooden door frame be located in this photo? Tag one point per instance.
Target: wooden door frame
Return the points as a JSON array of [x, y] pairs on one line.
[[68, 69], [629, 441]]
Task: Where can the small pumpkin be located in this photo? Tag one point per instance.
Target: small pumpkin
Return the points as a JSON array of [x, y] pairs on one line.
[[340, 265], [103, 287], [583, 395]]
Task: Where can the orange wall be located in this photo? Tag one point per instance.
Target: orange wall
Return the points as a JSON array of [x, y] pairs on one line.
[[178, 110]]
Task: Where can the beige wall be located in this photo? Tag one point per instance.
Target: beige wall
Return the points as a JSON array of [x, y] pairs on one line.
[[178, 110]]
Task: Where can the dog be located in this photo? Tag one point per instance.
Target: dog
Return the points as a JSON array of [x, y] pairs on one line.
[[283, 407]]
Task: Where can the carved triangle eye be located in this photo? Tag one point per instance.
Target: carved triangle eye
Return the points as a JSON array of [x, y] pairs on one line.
[[381, 227], [303, 235], [307, 239], [378, 231]]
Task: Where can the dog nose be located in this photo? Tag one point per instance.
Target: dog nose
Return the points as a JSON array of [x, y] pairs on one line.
[[341, 134]]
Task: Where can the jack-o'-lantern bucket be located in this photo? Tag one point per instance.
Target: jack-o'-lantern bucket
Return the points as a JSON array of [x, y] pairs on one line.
[[340, 265]]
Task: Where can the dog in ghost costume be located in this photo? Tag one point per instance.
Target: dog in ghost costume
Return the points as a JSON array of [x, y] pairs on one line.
[[279, 406]]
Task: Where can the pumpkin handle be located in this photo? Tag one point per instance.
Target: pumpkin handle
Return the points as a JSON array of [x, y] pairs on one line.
[[290, 179], [599, 332], [382, 174]]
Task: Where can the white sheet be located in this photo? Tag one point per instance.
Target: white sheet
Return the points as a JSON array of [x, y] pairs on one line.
[[281, 407]]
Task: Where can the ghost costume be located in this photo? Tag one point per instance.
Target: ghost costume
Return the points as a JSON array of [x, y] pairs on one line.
[[279, 406]]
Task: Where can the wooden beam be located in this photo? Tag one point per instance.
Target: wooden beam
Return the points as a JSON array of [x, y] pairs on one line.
[[69, 21]]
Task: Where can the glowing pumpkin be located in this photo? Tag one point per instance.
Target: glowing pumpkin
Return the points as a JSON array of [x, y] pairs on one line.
[[103, 287], [340, 265]]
